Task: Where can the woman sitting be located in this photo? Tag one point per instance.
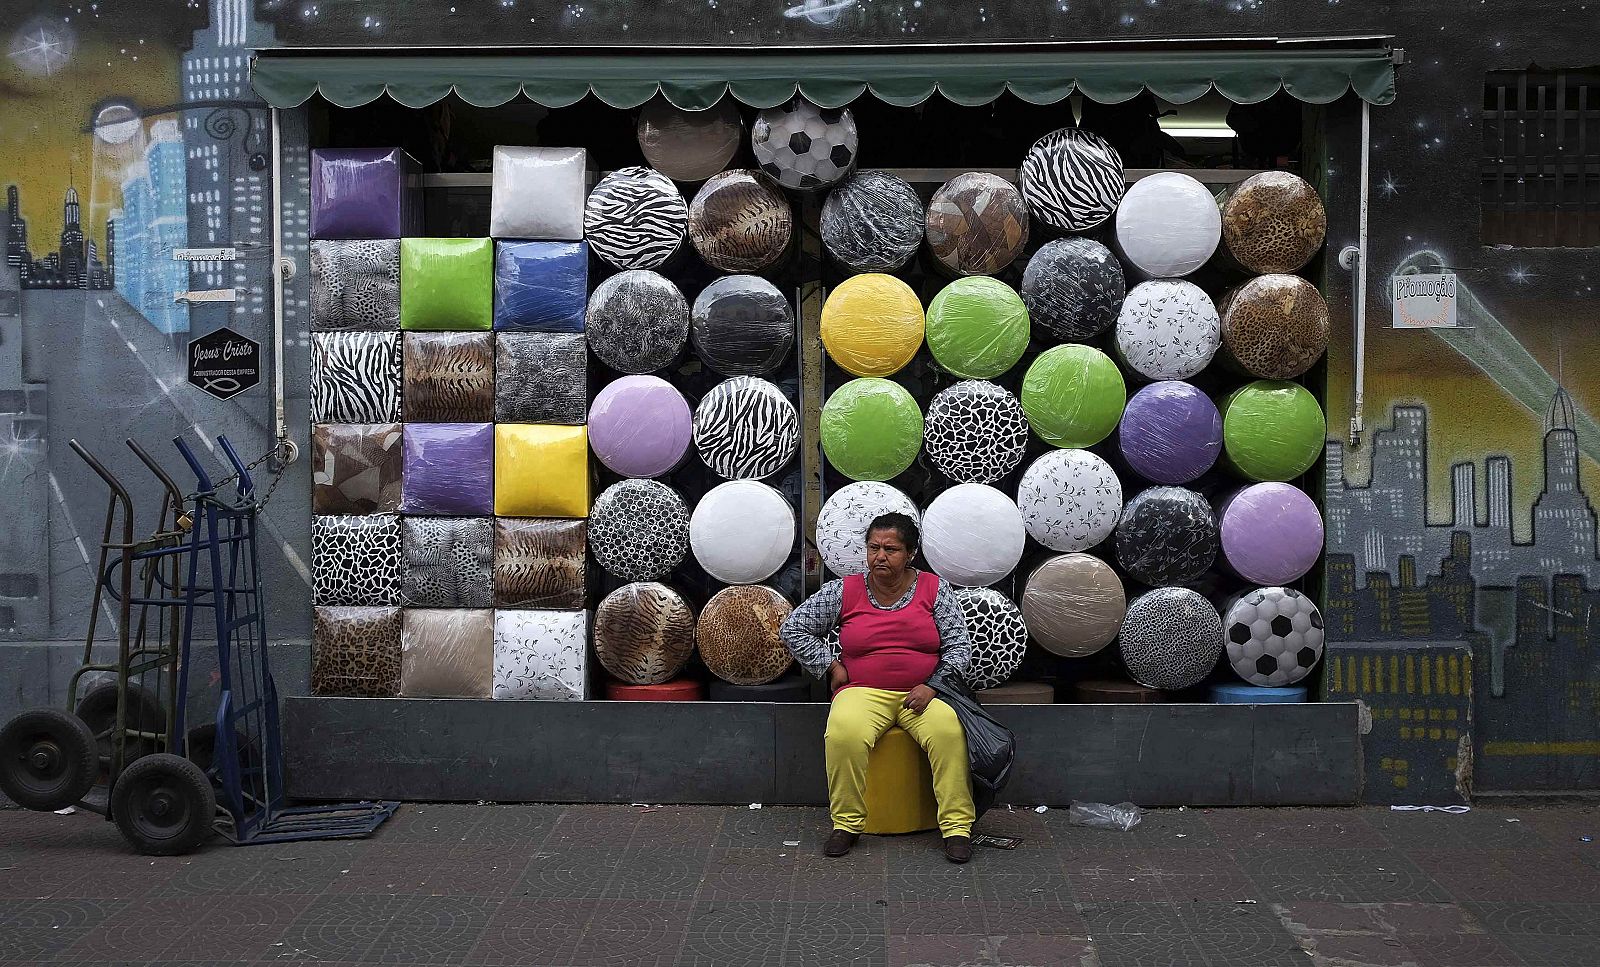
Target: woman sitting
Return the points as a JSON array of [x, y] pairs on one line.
[[897, 626]]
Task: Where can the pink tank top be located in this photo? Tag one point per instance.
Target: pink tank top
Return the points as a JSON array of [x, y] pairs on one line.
[[894, 650]]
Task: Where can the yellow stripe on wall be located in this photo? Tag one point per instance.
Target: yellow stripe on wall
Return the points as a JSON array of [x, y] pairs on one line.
[[1585, 747]]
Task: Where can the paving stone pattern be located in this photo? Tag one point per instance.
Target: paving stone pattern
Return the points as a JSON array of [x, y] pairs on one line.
[[573, 886]]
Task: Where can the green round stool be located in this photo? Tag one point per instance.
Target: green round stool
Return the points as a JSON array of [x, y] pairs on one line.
[[977, 327], [871, 429], [1272, 430], [1073, 396]]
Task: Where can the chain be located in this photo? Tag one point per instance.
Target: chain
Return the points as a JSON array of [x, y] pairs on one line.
[[277, 475]]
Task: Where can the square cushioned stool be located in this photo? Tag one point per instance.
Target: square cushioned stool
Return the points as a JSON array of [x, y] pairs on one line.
[[899, 787]]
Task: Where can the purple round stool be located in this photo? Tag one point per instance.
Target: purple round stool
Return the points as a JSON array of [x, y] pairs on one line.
[[1271, 533], [1170, 433], [639, 426]]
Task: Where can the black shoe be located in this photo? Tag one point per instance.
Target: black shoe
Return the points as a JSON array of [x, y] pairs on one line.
[[958, 849], [839, 843]]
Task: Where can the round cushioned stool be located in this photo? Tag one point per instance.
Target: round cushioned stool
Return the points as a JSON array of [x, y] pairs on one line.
[[1019, 693], [899, 787], [677, 690], [1241, 694], [792, 687], [1110, 692]]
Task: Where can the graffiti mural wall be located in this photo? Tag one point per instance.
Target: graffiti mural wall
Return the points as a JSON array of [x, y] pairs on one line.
[[1462, 568]]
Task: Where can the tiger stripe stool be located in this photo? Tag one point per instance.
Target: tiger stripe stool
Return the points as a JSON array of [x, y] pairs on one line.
[[899, 787]]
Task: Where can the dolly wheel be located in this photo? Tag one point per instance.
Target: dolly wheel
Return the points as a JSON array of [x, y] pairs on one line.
[[98, 708], [164, 805], [47, 759]]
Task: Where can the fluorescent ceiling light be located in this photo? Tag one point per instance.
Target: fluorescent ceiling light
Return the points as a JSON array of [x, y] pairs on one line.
[[1181, 131]]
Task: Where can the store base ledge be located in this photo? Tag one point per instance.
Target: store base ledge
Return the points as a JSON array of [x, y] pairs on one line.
[[740, 752]]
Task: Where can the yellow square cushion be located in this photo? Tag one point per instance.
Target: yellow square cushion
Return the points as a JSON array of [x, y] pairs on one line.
[[541, 470]]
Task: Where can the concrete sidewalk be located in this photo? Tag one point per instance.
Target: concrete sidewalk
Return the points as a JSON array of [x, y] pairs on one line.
[[600, 885]]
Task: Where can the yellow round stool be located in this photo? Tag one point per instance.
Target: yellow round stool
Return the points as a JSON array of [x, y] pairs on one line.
[[899, 787]]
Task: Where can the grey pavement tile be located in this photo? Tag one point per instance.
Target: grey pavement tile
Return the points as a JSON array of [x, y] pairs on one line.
[[1136, 919], [919, 887], [1122, 887], [722, 885], [678, 826], [870, 857], [825, 934], [1368, 949], [1223, 917], [543, 932], [1363, 888], [443, 823], [207, 876], [424, 945], [63, 914], [1325, 916], [446, 912], [1044, 917], [567, 874], [658, 874], [334, 909], [1207, 888], [1481, 828], [935, 917], [636, 933], [846, 887], [1405, 919], [38, 944], [747, 933], [1149, 950], [1299, 828], [610, 826], [750, 861], [1331, 862], [1537, 950], [1250, 948], [124, 938], [205, 940], [1548, 919], [965, 950], [1027, 887], [328, 941], [1459, 950], [512, 825]]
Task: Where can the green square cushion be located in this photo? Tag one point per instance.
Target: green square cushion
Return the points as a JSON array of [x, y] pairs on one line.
[[446, 283]]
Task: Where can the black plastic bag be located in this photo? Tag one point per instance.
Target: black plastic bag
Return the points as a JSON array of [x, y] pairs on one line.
[[991, 747]]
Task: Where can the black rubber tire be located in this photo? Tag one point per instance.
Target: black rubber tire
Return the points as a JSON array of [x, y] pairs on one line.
[[98, 710], [164, 805], [201, 749], [47, 759]]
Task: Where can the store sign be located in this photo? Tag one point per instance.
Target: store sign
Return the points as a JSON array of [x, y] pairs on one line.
[[227, 254], [1425, 301], [224, 363]]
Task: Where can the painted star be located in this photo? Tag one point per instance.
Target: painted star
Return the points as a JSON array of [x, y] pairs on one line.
[[39, 51]]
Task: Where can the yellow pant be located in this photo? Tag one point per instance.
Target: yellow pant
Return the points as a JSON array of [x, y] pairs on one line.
[[858, 718]]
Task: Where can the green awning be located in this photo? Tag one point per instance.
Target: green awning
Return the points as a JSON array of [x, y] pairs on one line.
[[968, 75]]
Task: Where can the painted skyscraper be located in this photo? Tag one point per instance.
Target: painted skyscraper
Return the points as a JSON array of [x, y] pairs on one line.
[[154, 222]]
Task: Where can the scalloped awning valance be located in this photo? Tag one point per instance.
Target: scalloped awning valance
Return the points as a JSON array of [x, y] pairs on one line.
[[970, 75]]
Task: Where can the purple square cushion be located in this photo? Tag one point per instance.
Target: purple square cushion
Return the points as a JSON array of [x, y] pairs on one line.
[[449, 469], [365, 193]]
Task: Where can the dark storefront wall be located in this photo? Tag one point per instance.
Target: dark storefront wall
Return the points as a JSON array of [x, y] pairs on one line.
[[1529, 711]]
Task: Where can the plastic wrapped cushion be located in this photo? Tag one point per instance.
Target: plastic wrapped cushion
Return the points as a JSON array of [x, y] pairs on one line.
[[635, 218], [537, 193], [690, 145], [737, 635], [449, 469], [972, 535], [1168, 329], [745, 428], [1271, 533], [1070, 500], [1168, 225], [447, 653], [1171, 433], [742, 326], [355, 652], [446, 283], [541, 655], [449, 377], [355, 468], [355, 377], [976, 224], [1274, 636], [1074, 605], [541, 377], [1167, 535], [842, 523], [540, 563], [540, 286], [871, 429], [873, 222], [541, 470], [1273, 222], [1272, 430], [365, 193], [1275, 326], [739, 223], [449, 562], [640, 426], [643, 633], [637, 321], [977, 328], [999, 636], [1171, 638], [804, 147], [872, 325], [639, 529], [355, 284], [975, 432], [356, 560], [742, 532], [1072, 179], [1073, 396], [1073, 288]]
